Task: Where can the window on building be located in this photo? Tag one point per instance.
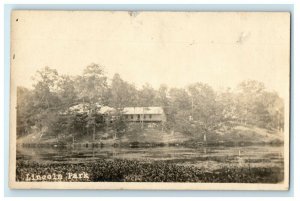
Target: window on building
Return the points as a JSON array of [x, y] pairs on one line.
[[139, 116], [131, 116], [150, 116]]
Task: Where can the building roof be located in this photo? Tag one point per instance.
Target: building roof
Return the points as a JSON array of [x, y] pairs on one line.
[[84, 107], [106, 110], [80, 108], [143, 110]]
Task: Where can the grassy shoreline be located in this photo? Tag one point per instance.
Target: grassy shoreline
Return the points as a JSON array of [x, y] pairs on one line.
[[239, 136], [119, 170]]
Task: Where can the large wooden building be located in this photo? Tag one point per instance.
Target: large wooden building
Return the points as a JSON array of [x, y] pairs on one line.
[[144, 114]]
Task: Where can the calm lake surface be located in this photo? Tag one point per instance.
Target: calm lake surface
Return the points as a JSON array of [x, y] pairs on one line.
[[205, 157]]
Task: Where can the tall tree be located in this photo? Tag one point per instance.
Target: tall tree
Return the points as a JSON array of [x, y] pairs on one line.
[[146, 96], [249, 93], [46, 103], [204, 107], [179, 105], [25, 114], [162, 96], [92, 85], [122, 94], [45, 87], [226, 103], [179, 99]]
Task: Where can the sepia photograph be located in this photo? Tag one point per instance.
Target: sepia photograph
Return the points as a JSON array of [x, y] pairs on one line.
[[149, 100]]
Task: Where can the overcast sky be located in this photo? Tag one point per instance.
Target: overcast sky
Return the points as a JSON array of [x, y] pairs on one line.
[[221, 49]]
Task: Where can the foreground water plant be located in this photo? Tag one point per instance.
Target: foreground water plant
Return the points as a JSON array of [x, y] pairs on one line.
[[144, 171]]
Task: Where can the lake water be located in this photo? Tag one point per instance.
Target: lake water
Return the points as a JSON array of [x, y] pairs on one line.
[[205, 157]]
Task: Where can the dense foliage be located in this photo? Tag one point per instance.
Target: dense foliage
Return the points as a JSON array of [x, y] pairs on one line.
[[197, 108]]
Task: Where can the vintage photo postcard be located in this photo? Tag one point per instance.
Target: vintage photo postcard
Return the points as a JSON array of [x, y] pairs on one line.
[[149, 100]]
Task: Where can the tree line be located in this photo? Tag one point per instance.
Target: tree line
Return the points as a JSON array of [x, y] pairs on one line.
[[196, 108]]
